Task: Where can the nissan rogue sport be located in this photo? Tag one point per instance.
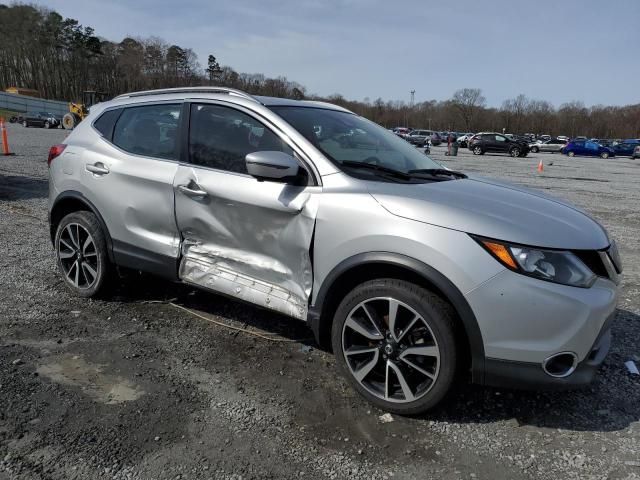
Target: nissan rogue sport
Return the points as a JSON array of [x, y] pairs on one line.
[[415, 275]]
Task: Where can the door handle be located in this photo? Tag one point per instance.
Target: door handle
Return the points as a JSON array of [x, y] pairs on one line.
[[191, 192], [97, 168]]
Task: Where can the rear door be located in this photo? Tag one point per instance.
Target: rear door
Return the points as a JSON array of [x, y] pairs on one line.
[[128, 173], [245, 238]]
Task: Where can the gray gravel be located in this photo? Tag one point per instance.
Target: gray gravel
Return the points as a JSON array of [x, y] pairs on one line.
[[131, 387]]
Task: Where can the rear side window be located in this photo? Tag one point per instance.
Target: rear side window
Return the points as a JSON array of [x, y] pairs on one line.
[[221, 137], [150, 130], [105, 122]]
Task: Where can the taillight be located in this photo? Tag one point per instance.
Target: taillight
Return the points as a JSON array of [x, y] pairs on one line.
[[55, 151]]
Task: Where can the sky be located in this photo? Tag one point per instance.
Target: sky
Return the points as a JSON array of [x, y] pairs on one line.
[[555, 50]]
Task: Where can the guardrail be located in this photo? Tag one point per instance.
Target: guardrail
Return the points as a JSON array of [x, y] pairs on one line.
[[22, 103]]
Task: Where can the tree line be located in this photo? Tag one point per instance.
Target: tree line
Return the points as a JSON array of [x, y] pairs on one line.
[[60, 58]]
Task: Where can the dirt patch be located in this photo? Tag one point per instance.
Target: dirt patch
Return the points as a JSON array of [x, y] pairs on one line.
[[76, 371]]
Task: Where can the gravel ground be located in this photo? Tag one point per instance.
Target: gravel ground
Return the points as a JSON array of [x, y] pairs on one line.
[[133, 387]]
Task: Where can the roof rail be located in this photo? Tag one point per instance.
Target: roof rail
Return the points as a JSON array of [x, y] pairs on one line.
[[204, 89]]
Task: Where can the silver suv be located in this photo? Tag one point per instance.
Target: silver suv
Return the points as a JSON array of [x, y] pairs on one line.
[[413, 273]]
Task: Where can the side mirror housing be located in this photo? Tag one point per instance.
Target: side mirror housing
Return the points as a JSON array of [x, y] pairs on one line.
[[274, 166]]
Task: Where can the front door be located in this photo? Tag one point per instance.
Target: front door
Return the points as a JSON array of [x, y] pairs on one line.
[[245, 238], [501, 143]]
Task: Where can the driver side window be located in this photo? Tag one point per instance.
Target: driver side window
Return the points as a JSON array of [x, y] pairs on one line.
[[221, 137], [500, 138]]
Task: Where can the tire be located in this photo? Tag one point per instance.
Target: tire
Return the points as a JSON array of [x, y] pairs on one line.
[[604, 155], [477, 151], [71, 249], [47, 125], [428, 375], [25, 124], [571, 153], [535, 149], [514, 152]]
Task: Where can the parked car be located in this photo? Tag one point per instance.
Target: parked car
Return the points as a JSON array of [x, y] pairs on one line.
[[402, 132], [463, 140], [626, 148], [636, 152], [553, 145], [586, 148], [563, 137], [413, 273], [492, 142], [40, 119], [419, 137]]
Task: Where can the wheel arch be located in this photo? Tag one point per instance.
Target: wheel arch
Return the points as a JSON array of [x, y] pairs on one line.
[[73, 201], [367, 266]]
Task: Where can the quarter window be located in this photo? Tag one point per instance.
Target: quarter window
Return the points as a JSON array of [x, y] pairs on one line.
[[150, 130], [221, 137], [105, 123]]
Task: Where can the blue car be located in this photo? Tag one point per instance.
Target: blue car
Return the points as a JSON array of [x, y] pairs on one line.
[[626, 148], [587, 148]]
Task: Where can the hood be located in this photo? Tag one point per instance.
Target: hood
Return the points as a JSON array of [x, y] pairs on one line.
[[495, 210]]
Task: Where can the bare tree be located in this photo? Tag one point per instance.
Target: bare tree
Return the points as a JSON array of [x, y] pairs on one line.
[[468, 101]]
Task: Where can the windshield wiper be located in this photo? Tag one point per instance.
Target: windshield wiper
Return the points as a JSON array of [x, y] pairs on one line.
[[379, 168], [438, 172]]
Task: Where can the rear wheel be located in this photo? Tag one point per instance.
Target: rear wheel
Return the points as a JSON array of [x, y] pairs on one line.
[[477, 151], [571, 154], [395, 343], [535, 149], [47, 124], [604, 155], [81, 253], [515, 152], [25, 124]]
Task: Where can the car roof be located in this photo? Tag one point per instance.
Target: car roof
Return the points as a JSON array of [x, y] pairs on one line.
[[215, 92]]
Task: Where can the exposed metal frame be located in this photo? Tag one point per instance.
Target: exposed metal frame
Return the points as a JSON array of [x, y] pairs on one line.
[[203, 89]]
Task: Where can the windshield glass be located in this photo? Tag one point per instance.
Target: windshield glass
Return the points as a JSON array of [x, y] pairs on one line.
[[345, 137]]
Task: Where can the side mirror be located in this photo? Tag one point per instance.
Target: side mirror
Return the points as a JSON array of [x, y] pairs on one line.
[[272, 165]]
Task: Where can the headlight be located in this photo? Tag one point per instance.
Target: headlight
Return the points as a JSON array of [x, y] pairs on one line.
[[559, 266]]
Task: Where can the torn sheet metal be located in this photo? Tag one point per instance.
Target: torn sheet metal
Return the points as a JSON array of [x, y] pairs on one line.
[[248, 239]]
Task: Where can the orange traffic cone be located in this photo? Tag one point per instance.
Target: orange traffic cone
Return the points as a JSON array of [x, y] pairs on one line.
[[5, 142], [540, 167]]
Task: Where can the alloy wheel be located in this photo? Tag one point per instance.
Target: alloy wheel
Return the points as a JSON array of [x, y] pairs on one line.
[[477, 150], [78, 256], [390, 350]]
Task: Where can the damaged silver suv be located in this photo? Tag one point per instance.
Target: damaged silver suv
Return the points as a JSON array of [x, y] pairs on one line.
[[413, 273]]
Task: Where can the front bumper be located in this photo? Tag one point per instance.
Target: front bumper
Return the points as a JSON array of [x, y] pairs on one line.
[[531, 376]]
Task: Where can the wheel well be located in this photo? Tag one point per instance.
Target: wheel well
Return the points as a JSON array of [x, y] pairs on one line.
[[358, 274], [70, 204]]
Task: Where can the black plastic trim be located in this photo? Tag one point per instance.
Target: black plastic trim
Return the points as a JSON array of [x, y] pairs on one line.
[[136, 258], [442, 283], [75, 195]]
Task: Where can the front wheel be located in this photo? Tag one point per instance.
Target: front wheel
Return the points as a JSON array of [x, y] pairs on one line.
[[535, 149], [47, 125], [571, 154], [25, 124], [515, 152], [395, 343], [604, 155], [477, 151], [81, 254]]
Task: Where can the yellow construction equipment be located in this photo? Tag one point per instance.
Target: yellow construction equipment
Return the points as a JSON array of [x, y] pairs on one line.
[[77, 111]]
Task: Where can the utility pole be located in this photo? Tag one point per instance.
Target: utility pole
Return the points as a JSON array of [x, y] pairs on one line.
[[413, 97]]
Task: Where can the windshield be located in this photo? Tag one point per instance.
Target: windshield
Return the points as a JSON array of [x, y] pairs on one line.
[[345, 137]]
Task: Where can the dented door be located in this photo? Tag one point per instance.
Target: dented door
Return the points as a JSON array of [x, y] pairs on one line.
[[241, 237]]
